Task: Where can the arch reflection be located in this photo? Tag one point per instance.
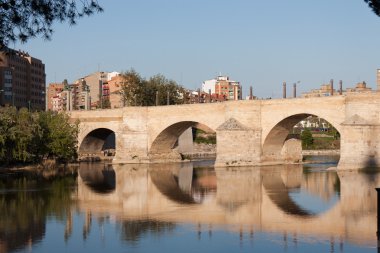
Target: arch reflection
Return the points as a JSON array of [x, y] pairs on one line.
[[100, 177], [182, 184], [253, 198]]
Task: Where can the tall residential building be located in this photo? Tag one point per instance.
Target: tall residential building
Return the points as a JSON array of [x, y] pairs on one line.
[[227, 88], [22, 80], [378, 80], [80, 95], [68, 97], [95, 83]]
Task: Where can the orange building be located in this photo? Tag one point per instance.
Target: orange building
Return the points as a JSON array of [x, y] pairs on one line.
[[52, 94], [115, 91], [228, 89]]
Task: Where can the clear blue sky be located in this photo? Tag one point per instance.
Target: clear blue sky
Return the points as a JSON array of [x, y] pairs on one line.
[[257, 42]]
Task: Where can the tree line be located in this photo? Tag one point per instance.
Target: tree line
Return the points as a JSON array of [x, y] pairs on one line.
[[30, 137], [156, 90]]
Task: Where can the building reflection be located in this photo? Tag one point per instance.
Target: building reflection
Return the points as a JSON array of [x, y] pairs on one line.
[[243, 200]]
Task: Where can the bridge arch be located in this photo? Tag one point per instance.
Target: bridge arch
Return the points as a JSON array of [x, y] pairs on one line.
[[278, 132], [166, 140], [97, 140]]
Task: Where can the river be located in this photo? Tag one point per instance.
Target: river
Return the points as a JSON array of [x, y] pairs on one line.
[[191, 207]]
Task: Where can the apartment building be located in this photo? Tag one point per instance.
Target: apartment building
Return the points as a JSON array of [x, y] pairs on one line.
[[22, 80], [230, 90], [95, 82], [53, 92]]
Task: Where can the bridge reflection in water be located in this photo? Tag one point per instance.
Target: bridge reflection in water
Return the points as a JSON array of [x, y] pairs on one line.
[[244, 200]]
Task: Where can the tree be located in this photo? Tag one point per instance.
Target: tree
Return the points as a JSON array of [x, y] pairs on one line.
[[60, 137], [374, 5], [24, 19], [131, 87], [30, 136], [307, 139], [140, 92], [165, 86]]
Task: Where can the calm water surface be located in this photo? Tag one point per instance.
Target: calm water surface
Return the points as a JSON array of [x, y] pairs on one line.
[[191, 208]]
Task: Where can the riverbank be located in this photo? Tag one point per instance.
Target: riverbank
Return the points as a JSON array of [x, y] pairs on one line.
[[45, 170], [323, 152]]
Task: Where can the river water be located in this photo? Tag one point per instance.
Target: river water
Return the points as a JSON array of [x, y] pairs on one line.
[[191, 207]]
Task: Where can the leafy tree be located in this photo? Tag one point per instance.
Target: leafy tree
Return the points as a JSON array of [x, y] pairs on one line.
[[7, 125], [140, 92], [307, 139], [24, 19], [165, 86], [30, 136], [131, 87], [60, 136], [23, 134], [374, 5]]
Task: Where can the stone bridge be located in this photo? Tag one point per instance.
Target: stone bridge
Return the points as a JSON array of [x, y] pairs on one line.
[[248, 132]]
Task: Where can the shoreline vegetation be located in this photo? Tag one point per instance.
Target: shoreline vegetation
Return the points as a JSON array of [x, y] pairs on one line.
[[36, 138]]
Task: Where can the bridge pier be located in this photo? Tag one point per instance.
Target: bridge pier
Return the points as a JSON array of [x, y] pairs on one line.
[[360, 145], [131, 147], [237, 145]]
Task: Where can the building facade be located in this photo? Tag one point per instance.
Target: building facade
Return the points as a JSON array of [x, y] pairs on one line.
[[68, 97], [209, 86], [230, 90], [22, 80], [325, 90], [115, 95], [53, 92], [96, 82]]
